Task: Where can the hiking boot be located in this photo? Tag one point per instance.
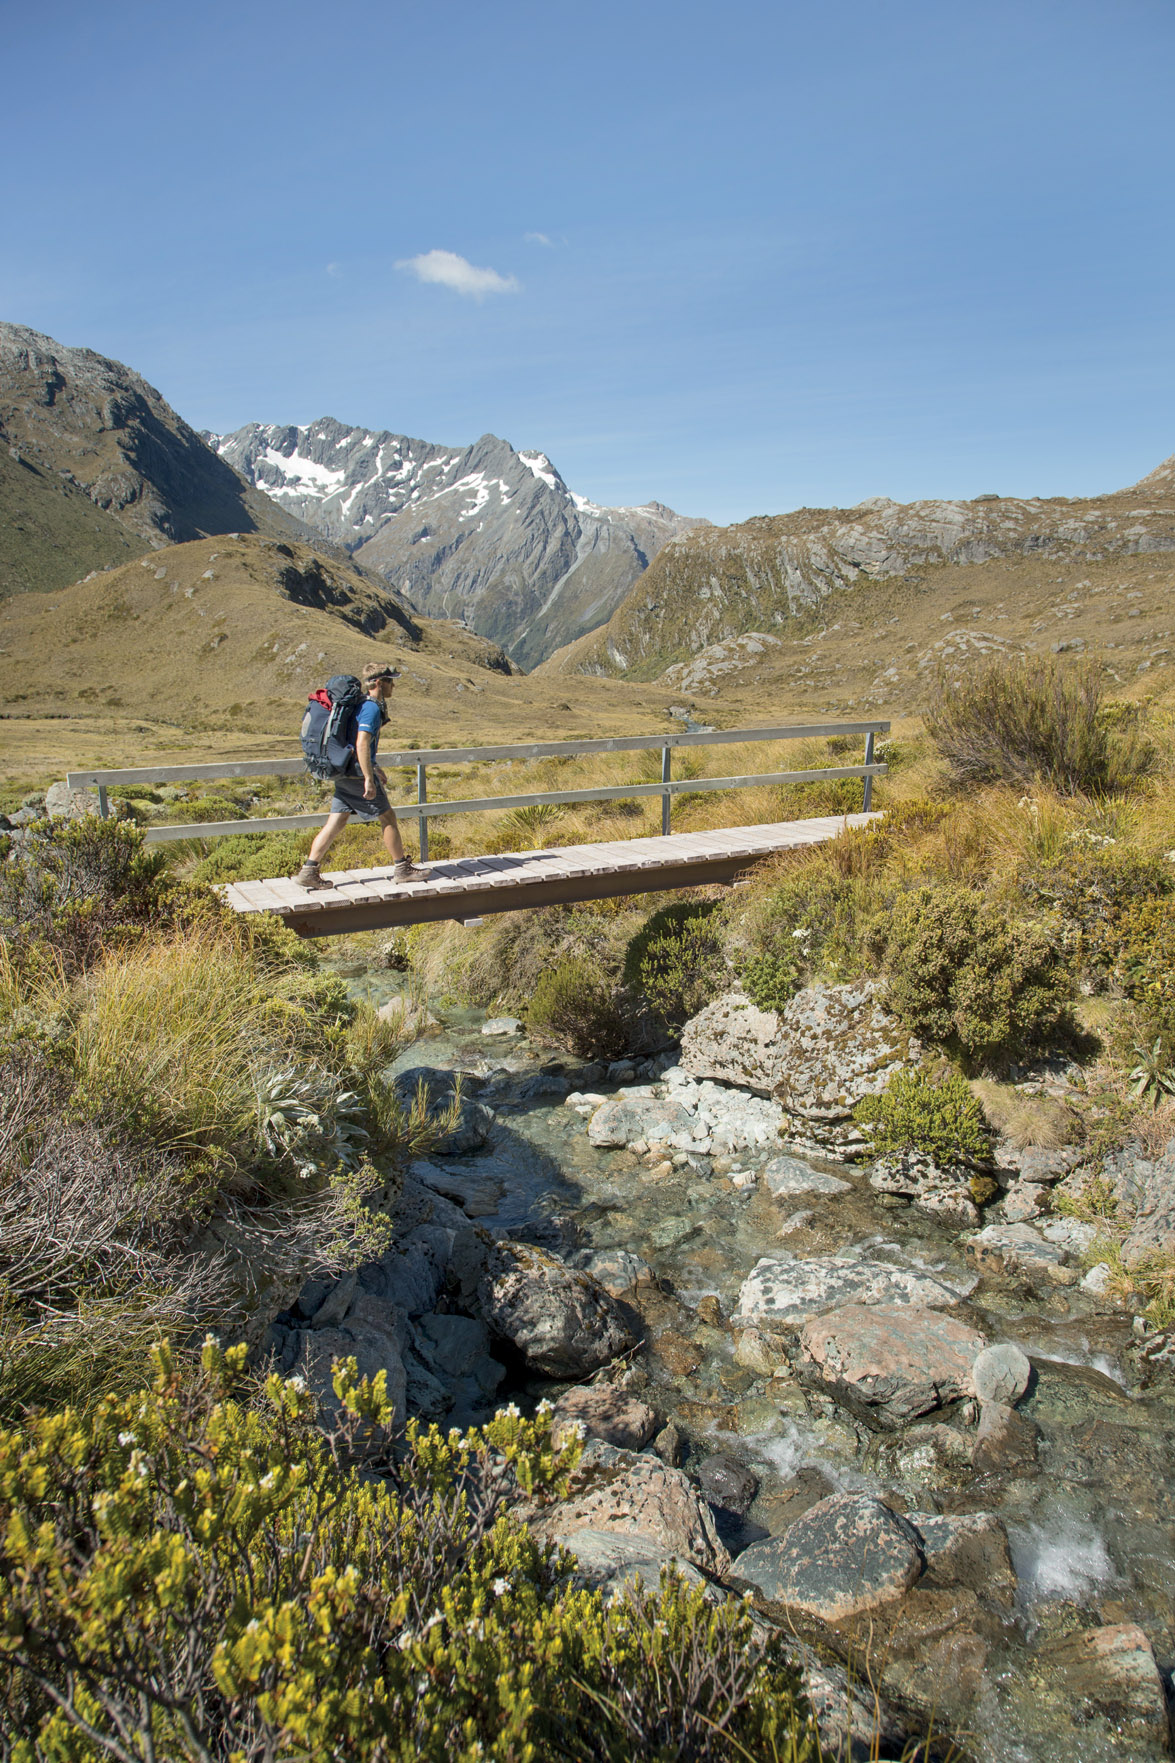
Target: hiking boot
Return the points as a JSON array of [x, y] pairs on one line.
[[406, 871], [308, 877]]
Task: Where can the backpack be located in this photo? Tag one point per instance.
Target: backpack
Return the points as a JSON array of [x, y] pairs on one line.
[[328, 728]]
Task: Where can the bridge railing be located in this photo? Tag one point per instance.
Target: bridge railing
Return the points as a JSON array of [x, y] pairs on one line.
[[423, 810]]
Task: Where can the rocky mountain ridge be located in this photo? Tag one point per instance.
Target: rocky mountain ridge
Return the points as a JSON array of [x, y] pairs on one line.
[[485, 534], [773, 573]]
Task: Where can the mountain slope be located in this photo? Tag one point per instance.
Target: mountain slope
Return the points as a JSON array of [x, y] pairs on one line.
[[52, 534], [100, 425], [770, 574], [231, 634], [481, 533]]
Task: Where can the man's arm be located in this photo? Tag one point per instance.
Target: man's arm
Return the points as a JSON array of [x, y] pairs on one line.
[[363, 754]]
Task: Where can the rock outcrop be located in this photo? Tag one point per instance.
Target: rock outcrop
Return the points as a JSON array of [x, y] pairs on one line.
[[561, 1319]]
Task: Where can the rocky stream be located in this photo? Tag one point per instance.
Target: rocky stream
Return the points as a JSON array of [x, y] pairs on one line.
[[886, 1401]]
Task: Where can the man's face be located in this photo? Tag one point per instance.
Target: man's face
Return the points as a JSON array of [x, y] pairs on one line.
[[383, 688]]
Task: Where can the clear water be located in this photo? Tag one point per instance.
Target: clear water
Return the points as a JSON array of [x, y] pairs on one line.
[[1092, 1525]]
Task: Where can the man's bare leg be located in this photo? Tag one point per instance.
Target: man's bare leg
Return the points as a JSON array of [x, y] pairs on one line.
[[393, 841]]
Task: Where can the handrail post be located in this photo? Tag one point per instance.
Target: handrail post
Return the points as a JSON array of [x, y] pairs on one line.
[[422, 823], [103, 802], [666, 798], [868, 780]]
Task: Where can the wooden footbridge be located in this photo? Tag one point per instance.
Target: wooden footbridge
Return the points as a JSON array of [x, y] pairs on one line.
[[468, 889]]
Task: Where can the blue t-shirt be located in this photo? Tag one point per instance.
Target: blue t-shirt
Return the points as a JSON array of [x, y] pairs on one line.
[[369, 717]]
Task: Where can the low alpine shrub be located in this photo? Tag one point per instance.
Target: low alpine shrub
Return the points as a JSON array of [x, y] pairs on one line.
[[577, 1007], [964, 974], [918, 1111], [808, 927], [1141, 941], [675, 961], [1035, 720], [1096, 890], [187, 1575]]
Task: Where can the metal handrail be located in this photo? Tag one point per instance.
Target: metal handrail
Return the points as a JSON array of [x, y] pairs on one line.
[[422, 810]]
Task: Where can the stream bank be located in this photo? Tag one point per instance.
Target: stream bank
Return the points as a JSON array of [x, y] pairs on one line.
[[925, 1433]]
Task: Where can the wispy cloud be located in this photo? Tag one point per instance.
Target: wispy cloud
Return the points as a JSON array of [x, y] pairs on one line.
[[455, 272], [332, 269], [537, 239]]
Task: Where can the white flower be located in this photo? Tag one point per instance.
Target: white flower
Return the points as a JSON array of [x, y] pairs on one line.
[[500, 1587], [297, 1383], [127, 1438], [546, 1406], [513, 1410]]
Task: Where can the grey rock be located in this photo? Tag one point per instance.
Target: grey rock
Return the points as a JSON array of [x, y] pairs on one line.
[[452, 1345], [635, 1495], [62, 803], [612, 1564], [373, 1349], [503, 1025], [607, 1413], [1022, 1250], [477, 1195], [1035, 1163], [1001, 1374], [830, 1047], [727, 1483], [618, 1270], [1072, 1234], [781, 1290], [1023, 1202], [969, 1549], [844, 1556], [560, 1318], [940, 1191], [1145, 1190], [891, 1364], [337, 1301], [626, 1119], [787, 1176]]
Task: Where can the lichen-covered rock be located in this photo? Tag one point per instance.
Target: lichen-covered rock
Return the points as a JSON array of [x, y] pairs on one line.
[[606, 1413], [1145, 1190], [891, 1364], [636, 1496], [845, 1555], [618, 1270], [1022, 1250], [656, 1119], [782, 1291], [788, 1176], [560, 1318], [830, 1047], [942, 1191], [969, 1549]]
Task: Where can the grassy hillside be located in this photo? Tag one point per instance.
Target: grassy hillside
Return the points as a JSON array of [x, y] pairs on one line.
[[893, 572], [199, 651], [51, 533]]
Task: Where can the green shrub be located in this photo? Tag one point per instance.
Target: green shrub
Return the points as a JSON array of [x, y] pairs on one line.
[[577, 1007], [1095, 890], [252, 856], [675, 961], [831, 796], [807, 926], [185, 1576], [204, 808], [918, 1111], [1142, 942], [962, 972], [82, 887], [1034, 720]]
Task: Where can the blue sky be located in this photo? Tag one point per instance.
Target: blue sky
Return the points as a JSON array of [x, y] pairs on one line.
[[756, 256]]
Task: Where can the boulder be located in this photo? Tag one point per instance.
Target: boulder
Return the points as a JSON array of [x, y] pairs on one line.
[[618, 1270], [782, 1291], [636, 1496], [727, 1483], [655, 1119], [1001, 1374], [1006, 1442], [559, 1317], [1020, 1249], [473, 1118], [1144, 1188], [607, 1413], [845, 1555], [788, 1176], [889, 1365], [942, 1191], [62, 803], [829, 1047], [968, 1549], [1108, 1675], [374, 1349], [613, 1564]]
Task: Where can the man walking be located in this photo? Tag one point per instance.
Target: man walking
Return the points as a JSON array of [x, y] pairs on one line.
[[364, 796]]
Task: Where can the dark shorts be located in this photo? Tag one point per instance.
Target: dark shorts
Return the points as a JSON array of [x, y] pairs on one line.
[[349, 799]]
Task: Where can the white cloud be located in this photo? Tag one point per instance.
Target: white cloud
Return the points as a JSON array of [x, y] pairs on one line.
[[537, 239], [333, 269], [455, 272]]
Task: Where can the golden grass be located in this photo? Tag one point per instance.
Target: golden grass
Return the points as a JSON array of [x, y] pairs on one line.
[[1026, 1119]]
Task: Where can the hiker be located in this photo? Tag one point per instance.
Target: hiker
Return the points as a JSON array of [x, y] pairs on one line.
[[364, 795]]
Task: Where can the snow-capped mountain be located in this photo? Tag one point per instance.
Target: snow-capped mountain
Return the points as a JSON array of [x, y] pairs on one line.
[[483, 533]]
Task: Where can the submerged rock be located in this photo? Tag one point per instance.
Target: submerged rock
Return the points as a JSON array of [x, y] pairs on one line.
[[781, 1290], [560, 1318], [845, 1555], [1108, 1674], [890, 1365], [788, 1176]]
